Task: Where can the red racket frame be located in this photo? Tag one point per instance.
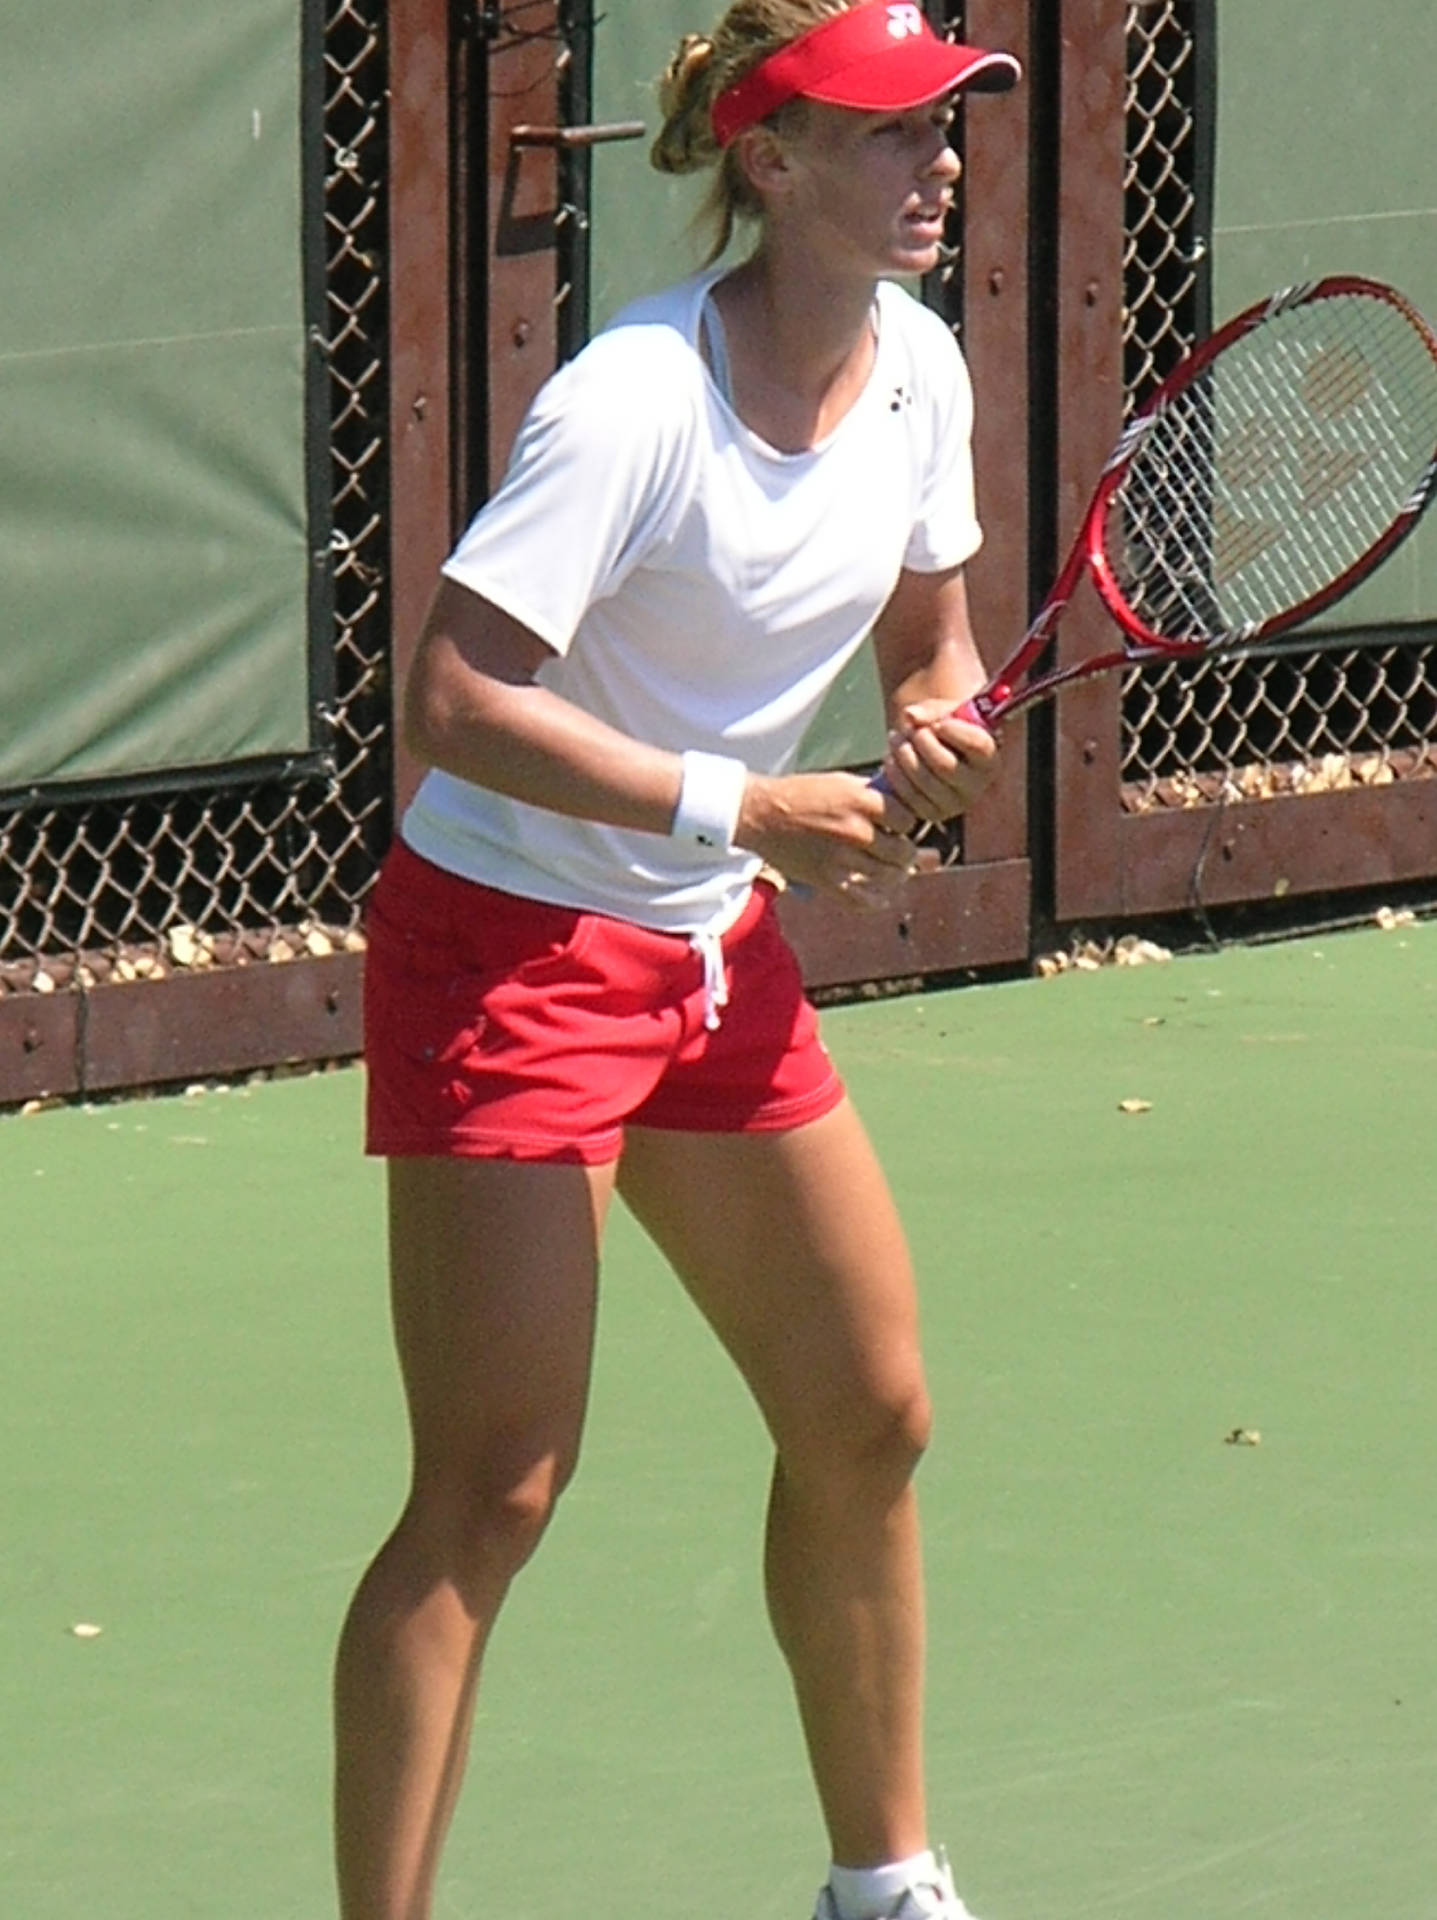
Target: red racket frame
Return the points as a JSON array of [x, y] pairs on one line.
[[1001, 697]]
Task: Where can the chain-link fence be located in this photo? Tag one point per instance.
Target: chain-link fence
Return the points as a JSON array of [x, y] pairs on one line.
[[119, 887], [942, 843], [1303, 716], [241, 868]]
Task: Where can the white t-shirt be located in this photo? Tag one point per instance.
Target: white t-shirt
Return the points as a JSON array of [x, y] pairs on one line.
[[699, 588]]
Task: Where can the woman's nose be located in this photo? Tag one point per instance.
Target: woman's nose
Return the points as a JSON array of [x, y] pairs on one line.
[[945, 164]]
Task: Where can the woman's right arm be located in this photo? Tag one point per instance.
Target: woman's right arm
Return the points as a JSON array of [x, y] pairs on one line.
[[473, 707]]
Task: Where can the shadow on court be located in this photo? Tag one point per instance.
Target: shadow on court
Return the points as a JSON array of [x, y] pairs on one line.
[[1175, 1674]]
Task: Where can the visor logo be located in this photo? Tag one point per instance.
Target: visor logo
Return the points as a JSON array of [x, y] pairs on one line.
[[905, 20]]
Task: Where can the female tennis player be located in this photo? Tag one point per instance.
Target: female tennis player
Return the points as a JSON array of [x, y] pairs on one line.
[[575, 980]]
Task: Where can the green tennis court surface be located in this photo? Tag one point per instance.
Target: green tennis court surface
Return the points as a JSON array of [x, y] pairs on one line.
[[1174, 1677]]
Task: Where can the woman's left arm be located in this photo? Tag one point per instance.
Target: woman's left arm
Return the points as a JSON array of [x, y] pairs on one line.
[[936, 764]]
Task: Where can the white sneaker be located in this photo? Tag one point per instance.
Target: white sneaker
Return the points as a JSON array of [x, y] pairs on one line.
[[933, 1899]]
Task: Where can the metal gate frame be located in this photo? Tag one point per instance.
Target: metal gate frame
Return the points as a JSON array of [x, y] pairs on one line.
[[1111, 863], [477, 222], [974, 912], [493, 288], [467, 162], [140, 924]]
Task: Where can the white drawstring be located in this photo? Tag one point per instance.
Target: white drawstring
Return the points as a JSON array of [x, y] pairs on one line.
[[707, 943]]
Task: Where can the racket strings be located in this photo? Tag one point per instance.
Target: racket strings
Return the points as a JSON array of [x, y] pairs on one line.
[[1276, 470], [1160, 525], [1281, 536], [1347, 412], [1191, 520]]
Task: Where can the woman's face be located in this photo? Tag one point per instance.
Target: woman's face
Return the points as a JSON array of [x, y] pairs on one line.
[[873, 189]]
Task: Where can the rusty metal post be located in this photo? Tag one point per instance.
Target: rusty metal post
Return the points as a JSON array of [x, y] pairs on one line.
[[523, 180], [1089, 316], [419, 329], [975, 914], [996, 192]]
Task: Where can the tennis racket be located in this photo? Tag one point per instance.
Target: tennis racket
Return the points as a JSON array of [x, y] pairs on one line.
[[1272, 471]]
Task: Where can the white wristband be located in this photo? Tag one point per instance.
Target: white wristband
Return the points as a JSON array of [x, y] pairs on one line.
[[709, 801]]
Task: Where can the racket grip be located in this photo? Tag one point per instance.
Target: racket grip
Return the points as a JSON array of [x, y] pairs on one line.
[[977, 711], [983, 708]]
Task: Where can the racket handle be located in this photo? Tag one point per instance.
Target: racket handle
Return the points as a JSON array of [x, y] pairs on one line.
[[982, 710], [986, 707]]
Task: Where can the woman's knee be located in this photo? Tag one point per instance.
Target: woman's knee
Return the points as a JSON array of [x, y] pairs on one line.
[[872, 1437], [487, 1518], [893, 1430]]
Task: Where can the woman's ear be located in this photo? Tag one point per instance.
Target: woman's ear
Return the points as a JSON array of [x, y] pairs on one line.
[[764, 161]]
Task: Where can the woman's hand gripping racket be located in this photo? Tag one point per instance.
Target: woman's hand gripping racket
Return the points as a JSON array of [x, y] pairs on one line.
[[1272, 471]]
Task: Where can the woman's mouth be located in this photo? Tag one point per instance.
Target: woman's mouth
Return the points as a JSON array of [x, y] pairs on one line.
[[927, 221]]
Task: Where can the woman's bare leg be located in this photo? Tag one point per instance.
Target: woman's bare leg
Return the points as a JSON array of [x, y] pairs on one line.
[[493, 1268], [791, 1247]]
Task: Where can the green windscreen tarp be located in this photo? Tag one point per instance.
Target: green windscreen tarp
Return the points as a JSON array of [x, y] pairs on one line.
[[1325, 165], [153, 524]]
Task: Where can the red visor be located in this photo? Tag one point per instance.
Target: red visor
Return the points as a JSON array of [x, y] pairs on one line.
[[877, 57]]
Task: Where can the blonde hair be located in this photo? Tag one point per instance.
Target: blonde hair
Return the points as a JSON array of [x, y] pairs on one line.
[[705, 66]]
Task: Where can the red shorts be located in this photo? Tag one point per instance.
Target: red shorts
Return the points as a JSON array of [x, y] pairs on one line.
[[499, 1027]]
